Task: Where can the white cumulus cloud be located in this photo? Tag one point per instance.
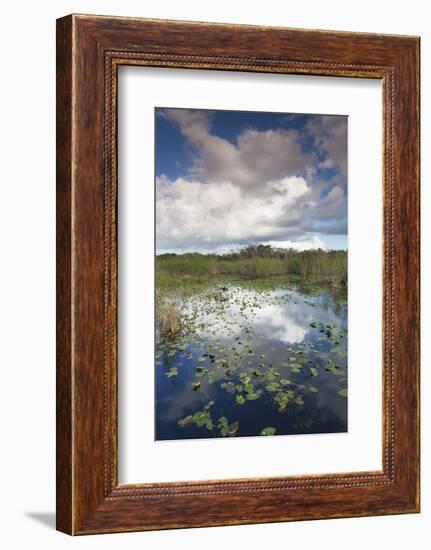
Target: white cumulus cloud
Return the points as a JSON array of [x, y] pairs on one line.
[[260, 188], [194, 213], [313, 243]]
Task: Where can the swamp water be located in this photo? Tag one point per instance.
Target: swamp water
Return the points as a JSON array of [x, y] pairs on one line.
[[268, 359]]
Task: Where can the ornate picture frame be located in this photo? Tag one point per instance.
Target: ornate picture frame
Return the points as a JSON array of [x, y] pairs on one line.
[[89, 51]]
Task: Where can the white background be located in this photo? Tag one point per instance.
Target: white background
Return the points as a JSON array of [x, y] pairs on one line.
[[27, 204], [141, 458]]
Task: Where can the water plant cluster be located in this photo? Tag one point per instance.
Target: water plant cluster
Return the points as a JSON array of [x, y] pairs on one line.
[[231, 353]]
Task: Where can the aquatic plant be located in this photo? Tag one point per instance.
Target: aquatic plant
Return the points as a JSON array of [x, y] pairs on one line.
[[168, 317], [221, 354], [268, 431]]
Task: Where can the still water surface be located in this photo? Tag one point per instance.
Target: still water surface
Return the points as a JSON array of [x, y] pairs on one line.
[[254, 361]]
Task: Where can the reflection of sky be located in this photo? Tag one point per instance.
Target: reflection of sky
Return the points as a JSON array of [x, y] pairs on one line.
[[284, 323], [271, 323], [179, 403], [276, 318]]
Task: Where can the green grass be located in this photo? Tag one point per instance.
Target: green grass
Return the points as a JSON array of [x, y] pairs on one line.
[[252, 263]]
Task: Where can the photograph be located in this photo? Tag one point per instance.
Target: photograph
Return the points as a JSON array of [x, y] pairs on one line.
[[251, 273], [213, 311]]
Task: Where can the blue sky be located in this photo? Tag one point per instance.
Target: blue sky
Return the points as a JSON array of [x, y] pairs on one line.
[[226, 179]]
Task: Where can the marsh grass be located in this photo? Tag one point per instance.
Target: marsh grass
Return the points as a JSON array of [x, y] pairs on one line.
[[169, 321], [252, 263]]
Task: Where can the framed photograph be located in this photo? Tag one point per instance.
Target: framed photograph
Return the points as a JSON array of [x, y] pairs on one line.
[[237, 274]]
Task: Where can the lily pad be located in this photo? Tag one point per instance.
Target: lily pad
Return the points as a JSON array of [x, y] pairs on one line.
[[295, 367], [223, 422], [173, 371], [232, 429], [268, 431], [272, 387], [201, 418], [201, 371], [186, 421], [252, 396], [333, 368]]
